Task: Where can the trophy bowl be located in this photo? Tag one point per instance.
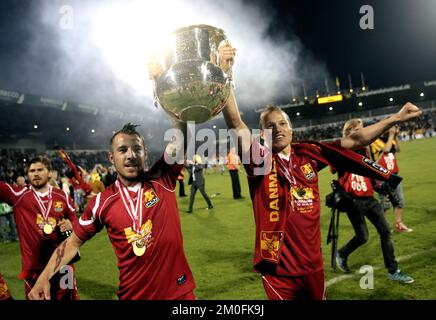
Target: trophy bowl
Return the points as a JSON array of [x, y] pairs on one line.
[[192, 86]]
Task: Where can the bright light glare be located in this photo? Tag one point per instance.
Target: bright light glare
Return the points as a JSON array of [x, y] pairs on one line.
[[129, 34]]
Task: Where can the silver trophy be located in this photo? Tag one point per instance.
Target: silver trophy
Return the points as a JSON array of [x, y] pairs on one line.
[[192, 86]]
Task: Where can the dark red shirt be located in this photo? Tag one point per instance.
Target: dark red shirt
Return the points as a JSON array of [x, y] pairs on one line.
[[36, 246], [301, 247], [356, 185], [162, 272]]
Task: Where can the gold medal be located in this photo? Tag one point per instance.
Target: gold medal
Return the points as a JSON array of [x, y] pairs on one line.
[[140, 243], [139, 248], [48, 228]]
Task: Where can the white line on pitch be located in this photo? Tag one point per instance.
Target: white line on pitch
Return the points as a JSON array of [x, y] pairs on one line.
[[399, 259]]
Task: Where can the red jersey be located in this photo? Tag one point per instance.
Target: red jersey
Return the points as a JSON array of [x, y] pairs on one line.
[[389, 161], [37, 246], [162, 271], [301, 247], [356, 185], [286, 202]]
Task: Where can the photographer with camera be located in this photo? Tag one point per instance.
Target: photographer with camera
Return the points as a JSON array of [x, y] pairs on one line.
[[363, 204], [383, 151]]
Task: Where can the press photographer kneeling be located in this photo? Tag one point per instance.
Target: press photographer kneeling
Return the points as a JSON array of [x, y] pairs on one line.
[[363, 204]]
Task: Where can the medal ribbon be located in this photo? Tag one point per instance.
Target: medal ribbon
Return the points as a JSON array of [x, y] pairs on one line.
[[286, 169], [132, 209], [44, 210]]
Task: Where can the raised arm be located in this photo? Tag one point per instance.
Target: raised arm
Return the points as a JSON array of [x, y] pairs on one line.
[[388, 146], [397, 139], [231, 112], [365, 136], [63, 254]]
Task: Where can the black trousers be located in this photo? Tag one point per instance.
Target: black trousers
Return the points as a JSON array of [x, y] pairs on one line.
[[372, 209], [182, 188], [236, 187], [194, 188]]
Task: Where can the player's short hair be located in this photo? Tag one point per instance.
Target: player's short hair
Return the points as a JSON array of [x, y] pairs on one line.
[[350, 125], [130, 129], [267, 110], [40, 159]]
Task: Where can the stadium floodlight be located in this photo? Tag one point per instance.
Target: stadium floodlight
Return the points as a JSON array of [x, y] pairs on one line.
[[130, 33], [421, 94], [391, 99], [360, 104]]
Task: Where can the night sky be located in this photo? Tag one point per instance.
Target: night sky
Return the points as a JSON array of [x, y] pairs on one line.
[[400, 49]]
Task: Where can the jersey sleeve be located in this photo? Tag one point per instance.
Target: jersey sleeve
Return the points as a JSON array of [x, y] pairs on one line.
[[166, 172], [258, 160], [8, 193], [89, 223], [71, 212]]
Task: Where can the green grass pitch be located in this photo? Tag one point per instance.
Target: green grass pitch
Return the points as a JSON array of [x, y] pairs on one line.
[[219, 243]]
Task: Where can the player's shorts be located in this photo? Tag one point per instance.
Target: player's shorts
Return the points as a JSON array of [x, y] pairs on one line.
[[56, 292], [398, 191], [188, 296], [310, 287]]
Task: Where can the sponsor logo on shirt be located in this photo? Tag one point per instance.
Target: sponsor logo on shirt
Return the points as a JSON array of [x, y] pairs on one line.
[[269, 245], [40, 221], [302, 199], [150, 198], [58, 206], [144, 233], [308, 171], [375, 166]]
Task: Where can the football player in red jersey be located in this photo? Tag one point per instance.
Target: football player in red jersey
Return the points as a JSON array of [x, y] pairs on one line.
[[42, 214], [141, 216], [285, 194]]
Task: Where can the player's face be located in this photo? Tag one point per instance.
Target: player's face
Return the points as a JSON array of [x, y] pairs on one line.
[[38, 175], [21, 181], [128, 156], [281, 130]]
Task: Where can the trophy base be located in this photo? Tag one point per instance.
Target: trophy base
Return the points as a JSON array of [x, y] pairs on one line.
[[195, 113]]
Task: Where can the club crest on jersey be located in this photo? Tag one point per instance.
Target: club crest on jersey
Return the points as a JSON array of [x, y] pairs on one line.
[[150, 198], [308, 171], [58, 206], [375, 166]]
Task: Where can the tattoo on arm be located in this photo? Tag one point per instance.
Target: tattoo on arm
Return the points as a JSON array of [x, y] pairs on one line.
[[60, 252]]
